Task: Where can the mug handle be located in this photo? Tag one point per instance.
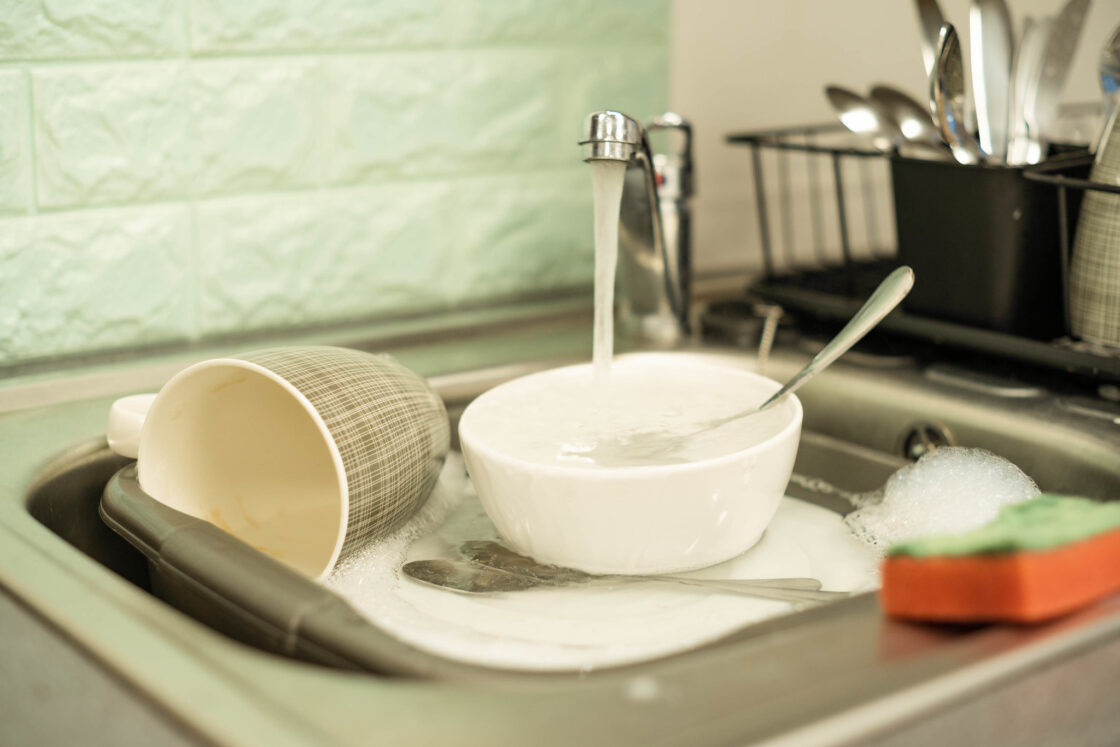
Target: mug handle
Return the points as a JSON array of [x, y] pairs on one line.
[[126, 418]]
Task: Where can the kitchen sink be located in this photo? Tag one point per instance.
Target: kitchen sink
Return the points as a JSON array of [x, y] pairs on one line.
[[831, 674]]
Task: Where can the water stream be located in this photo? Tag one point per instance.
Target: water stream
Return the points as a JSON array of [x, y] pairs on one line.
[[606, 186]]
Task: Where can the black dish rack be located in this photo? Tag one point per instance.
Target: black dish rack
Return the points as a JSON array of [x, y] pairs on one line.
[[990, 245]]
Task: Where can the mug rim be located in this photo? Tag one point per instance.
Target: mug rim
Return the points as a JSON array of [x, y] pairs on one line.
[[308, 407]]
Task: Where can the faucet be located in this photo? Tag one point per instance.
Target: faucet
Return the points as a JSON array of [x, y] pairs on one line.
[[654, 222]]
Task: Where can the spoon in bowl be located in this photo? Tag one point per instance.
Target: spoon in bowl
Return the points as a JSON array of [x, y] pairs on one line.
[[622, 449]]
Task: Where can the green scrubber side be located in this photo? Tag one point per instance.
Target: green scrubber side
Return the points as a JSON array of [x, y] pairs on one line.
[[1041, 523]]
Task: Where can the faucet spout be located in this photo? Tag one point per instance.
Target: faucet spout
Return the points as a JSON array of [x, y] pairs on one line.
[[611, 136], [652, 276]]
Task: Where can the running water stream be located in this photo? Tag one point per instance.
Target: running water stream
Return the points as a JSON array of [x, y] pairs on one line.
[[606, 184]]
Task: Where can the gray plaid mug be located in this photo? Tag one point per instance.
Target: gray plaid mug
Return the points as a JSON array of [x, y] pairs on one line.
[[306, 453], [1094, 292]]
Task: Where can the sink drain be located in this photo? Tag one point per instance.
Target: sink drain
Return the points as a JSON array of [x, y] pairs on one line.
[[921, 438]]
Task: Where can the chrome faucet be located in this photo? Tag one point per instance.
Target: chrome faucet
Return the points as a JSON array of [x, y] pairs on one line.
[[654, 222]]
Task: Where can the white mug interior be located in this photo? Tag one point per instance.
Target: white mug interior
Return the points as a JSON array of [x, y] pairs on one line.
[[231, 442]]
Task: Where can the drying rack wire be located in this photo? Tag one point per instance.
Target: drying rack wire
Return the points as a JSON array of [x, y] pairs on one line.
[[829, 273]]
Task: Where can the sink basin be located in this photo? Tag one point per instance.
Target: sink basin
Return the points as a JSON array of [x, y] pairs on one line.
[[255, 668]]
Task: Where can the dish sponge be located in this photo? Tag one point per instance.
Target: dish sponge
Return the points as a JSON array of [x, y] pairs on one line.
[[1036, 560]]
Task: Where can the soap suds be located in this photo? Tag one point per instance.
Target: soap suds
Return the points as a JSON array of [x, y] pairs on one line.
[[948, 491]]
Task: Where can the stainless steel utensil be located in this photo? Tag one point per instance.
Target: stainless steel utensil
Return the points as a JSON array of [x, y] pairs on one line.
[[913, 119], [992, 44], [1025, 71], [658, 444], [931, 19], [494, 555], [1041, 103], [863, 117], [948, 100], [1110, 81], [472, 578]]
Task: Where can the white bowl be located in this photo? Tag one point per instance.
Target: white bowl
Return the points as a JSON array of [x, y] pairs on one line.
[[631, 519]]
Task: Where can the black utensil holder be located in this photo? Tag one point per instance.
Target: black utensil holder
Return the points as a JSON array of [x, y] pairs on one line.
[[986, 243]]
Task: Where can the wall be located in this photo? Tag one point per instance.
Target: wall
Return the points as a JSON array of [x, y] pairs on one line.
[[752, 64], [182, 169]]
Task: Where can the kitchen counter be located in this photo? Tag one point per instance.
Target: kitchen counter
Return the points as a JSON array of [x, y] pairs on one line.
[[90, 655]]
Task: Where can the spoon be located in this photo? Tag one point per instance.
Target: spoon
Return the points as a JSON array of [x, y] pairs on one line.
[[931, 19], [913, 119], [625, 449], [947, 98], [496, 556], [471, 578], [863, 117]]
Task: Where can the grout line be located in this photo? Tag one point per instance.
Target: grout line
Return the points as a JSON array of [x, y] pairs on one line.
[[310, 52], [339, 187]]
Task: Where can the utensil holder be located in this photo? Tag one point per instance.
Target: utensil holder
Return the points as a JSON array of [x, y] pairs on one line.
[[974, 311], [985, 243]]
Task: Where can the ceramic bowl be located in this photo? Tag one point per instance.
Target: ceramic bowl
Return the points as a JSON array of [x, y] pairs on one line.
[[632, 519]]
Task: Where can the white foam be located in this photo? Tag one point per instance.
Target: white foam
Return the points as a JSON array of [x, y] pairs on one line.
[[947, 491], [581, 627]]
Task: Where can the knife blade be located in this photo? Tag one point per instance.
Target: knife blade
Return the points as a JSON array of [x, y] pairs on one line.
[[1043, 98], [991, 42]]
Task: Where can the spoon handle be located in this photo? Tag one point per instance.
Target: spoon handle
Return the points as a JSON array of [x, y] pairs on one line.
[[795, 584], [750, 589], [892, 290]]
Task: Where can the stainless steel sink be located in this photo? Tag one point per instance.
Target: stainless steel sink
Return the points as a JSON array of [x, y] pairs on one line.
[[829, 675]]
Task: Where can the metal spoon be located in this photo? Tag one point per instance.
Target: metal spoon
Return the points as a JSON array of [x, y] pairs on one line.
[[947, 98], [863, 117], [623, 448], [493, 555], [931, 19], [471, 578], [912, 118]]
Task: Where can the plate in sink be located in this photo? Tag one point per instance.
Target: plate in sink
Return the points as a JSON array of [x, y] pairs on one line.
[[583, 627]]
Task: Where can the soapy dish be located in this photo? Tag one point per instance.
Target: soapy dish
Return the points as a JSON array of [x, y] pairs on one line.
[[581, 627], [527, 445]]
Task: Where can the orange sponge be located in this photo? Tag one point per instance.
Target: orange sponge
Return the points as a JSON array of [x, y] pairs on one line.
[[1038, 560]]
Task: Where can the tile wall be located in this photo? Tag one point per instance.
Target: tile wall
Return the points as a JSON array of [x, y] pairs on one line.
[[175, 170]]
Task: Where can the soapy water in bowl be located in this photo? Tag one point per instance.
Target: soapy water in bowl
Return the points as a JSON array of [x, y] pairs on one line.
[[645, 415], [948, 491]]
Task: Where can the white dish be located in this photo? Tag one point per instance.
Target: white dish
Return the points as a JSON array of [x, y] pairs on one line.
[[653, 518], [588, 627]]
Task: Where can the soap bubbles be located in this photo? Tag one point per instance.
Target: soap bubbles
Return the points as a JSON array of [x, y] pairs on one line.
[[947, 491]]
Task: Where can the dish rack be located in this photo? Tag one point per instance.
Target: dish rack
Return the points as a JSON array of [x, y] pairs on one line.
[[991, 243]]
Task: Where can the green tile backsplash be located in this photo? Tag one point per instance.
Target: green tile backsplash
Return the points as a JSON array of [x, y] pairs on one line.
[[180, 169]]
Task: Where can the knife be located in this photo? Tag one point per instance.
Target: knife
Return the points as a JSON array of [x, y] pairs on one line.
[[1024, 74], [1043, 97], [991, 41]]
